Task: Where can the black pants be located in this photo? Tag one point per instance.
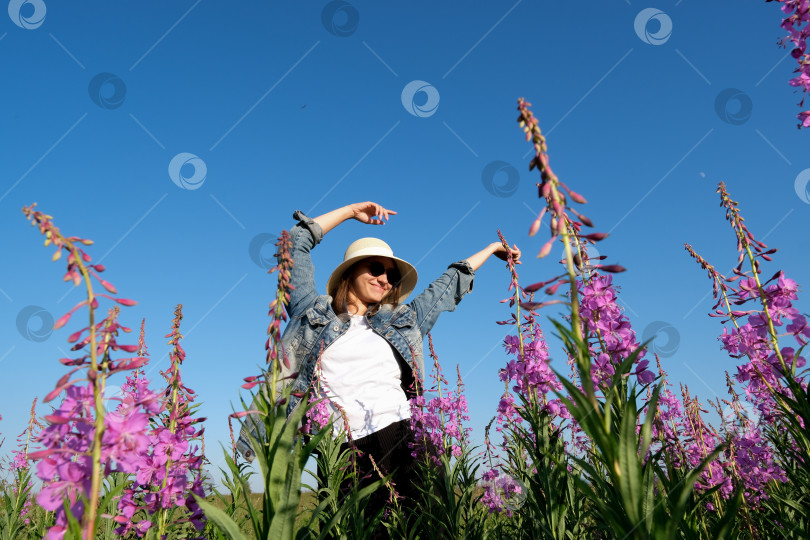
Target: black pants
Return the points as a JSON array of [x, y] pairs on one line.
[[391, 452]]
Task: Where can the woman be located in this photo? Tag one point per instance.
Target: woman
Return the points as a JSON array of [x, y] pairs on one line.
[[368, 341]]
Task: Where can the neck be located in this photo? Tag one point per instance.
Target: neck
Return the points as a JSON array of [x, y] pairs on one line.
[[355, 306]]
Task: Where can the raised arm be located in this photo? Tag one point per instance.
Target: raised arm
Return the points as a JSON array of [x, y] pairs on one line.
[[446, 292], [308, 233], [365, 212], [495, 248]]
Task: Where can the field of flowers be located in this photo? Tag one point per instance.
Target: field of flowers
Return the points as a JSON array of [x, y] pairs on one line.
[[609, 449]]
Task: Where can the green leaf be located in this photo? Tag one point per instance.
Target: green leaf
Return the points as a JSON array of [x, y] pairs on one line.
[[629, 465], [725, 525], [222, 520]]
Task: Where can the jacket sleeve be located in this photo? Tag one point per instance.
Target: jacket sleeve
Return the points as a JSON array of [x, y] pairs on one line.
[[305, 235], [444, 294]]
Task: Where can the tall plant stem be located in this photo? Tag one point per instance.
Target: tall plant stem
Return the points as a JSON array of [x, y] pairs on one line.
[[97, 380]]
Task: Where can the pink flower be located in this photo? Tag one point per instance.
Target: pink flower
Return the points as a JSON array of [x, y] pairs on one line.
[[125, 438]]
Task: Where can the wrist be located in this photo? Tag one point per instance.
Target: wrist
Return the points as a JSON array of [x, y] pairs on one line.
[[347, 212]]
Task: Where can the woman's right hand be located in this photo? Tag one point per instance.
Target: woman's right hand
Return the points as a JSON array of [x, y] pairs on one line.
[[365, 212]]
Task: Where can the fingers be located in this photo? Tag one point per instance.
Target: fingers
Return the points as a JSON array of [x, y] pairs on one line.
[[383, 214], [516, 254]]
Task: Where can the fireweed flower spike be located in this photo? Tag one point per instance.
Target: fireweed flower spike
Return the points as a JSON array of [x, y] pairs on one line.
[[797, 25], [278, 311], [438, 423], [270, 436], [320, 413], [549, 190], [82, 442], [754, 333], [753, 336], [169, 468], [21, 460], [595, 316]]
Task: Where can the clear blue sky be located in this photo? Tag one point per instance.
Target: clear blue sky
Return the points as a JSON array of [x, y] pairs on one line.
[[298, 105]]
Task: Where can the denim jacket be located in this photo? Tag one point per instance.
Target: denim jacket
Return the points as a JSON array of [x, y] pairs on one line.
[[313, 323]]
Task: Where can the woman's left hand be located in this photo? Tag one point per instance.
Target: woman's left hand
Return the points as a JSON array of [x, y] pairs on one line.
[[497, 249], [502, 254]]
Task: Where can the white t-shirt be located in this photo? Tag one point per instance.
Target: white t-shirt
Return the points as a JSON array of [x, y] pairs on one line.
[[360, 373]]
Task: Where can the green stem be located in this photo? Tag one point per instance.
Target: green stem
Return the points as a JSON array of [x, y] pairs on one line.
[[97, 382]]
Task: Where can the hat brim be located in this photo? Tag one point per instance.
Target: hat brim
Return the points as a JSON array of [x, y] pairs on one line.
[[406, 270]]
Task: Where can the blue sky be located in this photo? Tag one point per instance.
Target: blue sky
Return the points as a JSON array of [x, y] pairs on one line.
[[299, 105]]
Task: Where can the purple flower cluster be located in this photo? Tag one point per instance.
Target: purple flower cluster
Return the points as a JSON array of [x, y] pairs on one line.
[[750, 337], [530, 376], [755, 464], [168, 455], [608, 330], [319, 415], [797, 25], [757, 310], [697, 441], [320, 412], [748, 461], [667, 423], [66, 465], [21, 460], [437, 422], [500, 492]]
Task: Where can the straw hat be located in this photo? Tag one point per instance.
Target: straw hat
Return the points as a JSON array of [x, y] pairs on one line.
[[373, 247]]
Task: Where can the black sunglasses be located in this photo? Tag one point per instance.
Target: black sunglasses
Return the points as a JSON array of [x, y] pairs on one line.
[[376, 269]]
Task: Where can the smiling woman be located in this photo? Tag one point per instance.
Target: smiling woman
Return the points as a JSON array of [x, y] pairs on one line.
[[361, 339]]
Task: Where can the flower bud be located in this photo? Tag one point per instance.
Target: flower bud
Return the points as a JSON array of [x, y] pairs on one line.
[[612, 268], [596, 237], [546, 249]]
